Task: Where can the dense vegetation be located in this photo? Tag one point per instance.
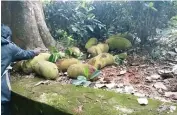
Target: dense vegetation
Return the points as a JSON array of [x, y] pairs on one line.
[[80, 20]]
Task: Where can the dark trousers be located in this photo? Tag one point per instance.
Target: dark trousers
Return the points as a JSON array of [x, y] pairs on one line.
[[5, 108]]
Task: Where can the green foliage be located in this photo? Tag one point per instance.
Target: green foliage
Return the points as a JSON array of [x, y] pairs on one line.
[[80, 20], [86, 72], [95, 74], [74, 17], [82, 80], [91, 42], [55, 54]]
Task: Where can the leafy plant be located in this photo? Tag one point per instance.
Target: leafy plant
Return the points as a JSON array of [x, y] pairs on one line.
[[80, 20], [118, 60], [86, 72], [55, 56], [95, 74], [68, 52], [53, 49], [82, 80]]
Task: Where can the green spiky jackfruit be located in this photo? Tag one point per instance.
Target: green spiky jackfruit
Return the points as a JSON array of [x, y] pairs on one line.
[[119, 43], [78, 69], [91, 42], [75, 51], [63, 64], [27, 66], [98, 49], [102, 60], [47, 70]]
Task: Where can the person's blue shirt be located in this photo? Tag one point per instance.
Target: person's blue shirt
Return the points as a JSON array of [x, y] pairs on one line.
[[10, 53]]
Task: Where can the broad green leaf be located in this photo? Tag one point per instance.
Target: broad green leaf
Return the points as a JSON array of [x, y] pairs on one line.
[[86, 71], [95, 74], [77, 82], [151, 4], [54, 57], [68, 51], [81, 78], [90, 27]]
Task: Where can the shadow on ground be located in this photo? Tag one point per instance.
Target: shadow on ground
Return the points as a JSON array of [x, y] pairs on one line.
[[32, 107]]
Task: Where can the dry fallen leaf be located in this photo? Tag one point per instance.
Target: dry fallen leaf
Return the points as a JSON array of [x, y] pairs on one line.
[[42, 82]]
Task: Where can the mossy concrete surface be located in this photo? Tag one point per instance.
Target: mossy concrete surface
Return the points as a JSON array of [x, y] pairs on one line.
[[57, 99]]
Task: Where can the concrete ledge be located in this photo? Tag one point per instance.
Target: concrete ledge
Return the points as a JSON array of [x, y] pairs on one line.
[[57, 99]]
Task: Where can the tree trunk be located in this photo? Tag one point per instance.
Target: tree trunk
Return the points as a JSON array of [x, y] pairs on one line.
[[26, 19]]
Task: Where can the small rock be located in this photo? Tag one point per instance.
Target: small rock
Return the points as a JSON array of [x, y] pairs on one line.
[[148, 79], [172, 95], [142, 101], [110, 86], [160, 85], [129, 89], [120, 85], [174, 70], [65, 73], [165, 74], [98, 85], [123, 72], [155, 76]]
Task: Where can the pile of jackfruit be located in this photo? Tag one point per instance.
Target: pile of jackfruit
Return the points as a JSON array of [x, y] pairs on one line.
[[73, 66]]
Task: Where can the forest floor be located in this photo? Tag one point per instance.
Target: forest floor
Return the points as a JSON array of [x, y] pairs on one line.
[[140, 75]]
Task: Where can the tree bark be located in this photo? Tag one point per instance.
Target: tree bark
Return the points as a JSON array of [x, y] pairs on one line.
[[26, 19]]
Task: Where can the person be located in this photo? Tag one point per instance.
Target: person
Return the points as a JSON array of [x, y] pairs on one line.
[[10, 53]]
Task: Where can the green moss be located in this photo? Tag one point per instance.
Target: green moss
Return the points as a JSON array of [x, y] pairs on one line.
[[67, 98], [119, 43], [91, 42]]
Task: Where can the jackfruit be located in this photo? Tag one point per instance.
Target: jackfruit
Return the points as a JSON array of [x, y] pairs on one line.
[[75, 51], [119, 43], [102, 60], [91, 42], [27, 65], [80, 69], [126, 35], [98, 49], [47, 70], [63, 64]]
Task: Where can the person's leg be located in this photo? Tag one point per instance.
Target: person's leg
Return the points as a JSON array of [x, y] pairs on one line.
[[5, 109]]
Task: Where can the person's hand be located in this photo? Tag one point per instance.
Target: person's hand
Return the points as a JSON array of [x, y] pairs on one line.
[[39, 50]]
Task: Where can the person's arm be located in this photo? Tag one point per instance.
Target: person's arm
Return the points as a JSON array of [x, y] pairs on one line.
[[20, 54]]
